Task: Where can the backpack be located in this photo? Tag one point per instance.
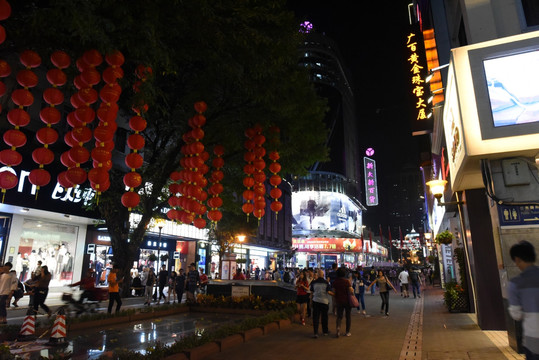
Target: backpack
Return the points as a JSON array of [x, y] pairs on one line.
[[286, 276], [414, 277]]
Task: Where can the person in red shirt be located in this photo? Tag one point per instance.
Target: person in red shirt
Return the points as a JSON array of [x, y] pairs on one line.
[[238, 275], [302, 295], [203, 280]]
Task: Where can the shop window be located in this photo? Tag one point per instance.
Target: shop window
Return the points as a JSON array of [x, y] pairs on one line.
[[51, 243]]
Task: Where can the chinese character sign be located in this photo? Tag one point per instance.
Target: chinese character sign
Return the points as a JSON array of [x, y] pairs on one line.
[[371, 186], [416, 67]]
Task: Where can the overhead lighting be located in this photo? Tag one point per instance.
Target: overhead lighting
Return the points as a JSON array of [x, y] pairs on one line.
[[437, 188], [24, 210]]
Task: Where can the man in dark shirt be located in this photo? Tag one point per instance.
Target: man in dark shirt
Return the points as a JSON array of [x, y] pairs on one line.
[[332, 276], [192, 281], [163, 278]]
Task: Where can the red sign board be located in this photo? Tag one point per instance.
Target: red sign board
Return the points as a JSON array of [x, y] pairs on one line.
[[327, 245]]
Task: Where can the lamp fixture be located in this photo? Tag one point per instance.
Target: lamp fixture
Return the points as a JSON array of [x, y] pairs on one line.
[[437, 188], [25, 210], [433, 70], [160, 222]]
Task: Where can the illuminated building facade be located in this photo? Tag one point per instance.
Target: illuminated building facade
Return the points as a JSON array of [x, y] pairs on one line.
[[484, 141], [327, 213]]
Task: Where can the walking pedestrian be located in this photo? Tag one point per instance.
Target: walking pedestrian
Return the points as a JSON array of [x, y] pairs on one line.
[[404, 278], [172, 287], [180, 285], [191, 283], [163, 279], [148, 290], [7, 287], [342, 288], [384, 285], [321, 292], [415, 281], [42, 290], [359, 291], [114, 289], [302, 296], [524, 296]]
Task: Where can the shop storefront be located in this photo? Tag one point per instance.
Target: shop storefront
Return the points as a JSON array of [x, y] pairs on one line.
[[323, 252]]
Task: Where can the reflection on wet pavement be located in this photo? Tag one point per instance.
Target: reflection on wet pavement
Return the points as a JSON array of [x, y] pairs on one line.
[[135, 336]]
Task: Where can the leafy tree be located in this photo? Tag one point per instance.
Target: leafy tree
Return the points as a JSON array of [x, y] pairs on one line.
[[240, 57]]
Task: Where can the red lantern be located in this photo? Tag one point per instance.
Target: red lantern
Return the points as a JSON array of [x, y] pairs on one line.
[[276, 193], [30, 59], [100, 187], [275, 167], [14, 138], [274, 155], [18, 117], [248, 182], [68, 139], [132, 179], [66, 160], [85, 114], [39, 177], [215, 215], [5, 10], [137, 123], [247, 208], [107, 112], [134, 160], [5, 69], [199, 223], [259, 164], [2, 34], [112, 74], [110, 93], [275, 180], [8, 180], [135, 141], [50, 115], [22, 97], [92, 57], [259, 213], [276, 206], [76, 175], [116, 58], [219, 150], [82, 134], [60, 59], [10, 157], [2, 89], [130, 199], [27, 78], [63, 180], [103, 134], [98, 176], [101, 155], [259, 176], [56, 77], [87, 95], [79, 155], [43, 156], [91, 77], [200, 107], [53, 96]]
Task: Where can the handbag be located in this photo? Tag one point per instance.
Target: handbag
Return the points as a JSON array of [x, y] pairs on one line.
[[353, 301]]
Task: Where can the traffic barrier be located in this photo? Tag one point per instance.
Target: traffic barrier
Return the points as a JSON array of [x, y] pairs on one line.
[[59, 330], [28, 329]]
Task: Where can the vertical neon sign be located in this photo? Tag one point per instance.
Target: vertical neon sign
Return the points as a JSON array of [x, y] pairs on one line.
[[371, 186], [416, 71]]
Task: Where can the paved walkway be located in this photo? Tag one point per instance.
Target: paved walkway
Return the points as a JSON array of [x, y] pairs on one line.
[[416, 329]]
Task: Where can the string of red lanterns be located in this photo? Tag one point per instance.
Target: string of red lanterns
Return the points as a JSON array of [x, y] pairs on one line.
[[131, 198], [249, 169], [9, 157], [217, 175], [259, 175]]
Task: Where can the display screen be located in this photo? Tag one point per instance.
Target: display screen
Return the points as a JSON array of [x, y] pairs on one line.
[[512, 88], [324, 210]]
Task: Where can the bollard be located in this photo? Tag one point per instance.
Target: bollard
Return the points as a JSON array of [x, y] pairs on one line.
[[28, 329]]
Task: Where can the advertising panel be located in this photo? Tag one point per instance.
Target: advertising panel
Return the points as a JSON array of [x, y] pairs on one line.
[[327, 244], [324, 210]]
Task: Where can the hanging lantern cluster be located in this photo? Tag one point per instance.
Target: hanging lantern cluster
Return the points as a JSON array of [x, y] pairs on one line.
[[50, 116], [19, 117], [259, 175], [216, 188], [275, 168], [249, 169], [187, 191], [136, 142], [9, 157]]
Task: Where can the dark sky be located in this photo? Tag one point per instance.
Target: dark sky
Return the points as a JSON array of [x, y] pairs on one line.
[[371, 38]]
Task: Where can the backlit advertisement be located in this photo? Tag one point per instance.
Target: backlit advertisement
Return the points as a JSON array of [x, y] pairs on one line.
[[327, 244], [324, 210]]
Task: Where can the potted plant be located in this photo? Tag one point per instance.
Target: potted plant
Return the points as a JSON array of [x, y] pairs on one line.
[[455, 297], [445, 237], [152, 257], [164, 257]]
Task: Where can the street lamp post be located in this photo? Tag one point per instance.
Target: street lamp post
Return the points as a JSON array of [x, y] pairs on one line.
[[160, 224]]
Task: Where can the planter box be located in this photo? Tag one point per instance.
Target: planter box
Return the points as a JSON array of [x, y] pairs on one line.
[[458, 305], [252, 333], [230, 341], [226, 310], [271, 327], [284, 323], [203, 351]]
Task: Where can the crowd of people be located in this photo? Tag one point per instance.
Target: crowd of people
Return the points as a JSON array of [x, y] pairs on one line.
[[340, 290]]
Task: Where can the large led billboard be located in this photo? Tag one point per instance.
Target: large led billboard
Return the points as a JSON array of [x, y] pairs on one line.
[[324, 210]]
